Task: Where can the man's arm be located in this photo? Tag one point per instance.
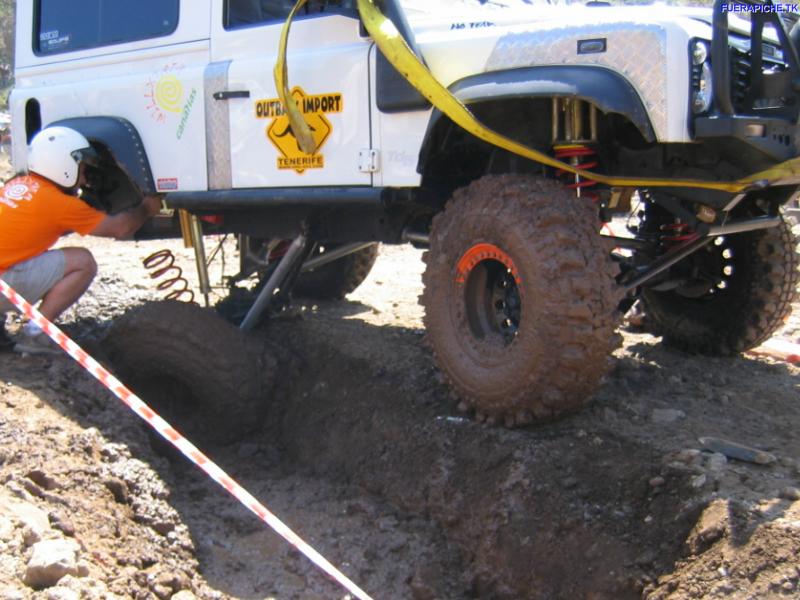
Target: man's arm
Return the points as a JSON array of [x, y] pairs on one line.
[[123, 225]]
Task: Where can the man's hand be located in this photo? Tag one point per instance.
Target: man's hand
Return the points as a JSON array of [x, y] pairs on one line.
[[123, 225], [152, 205]]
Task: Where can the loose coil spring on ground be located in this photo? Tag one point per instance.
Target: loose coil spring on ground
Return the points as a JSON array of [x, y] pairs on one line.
[[162, 264]]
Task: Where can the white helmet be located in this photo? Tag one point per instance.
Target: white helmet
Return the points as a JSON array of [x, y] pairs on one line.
[[56, 152]]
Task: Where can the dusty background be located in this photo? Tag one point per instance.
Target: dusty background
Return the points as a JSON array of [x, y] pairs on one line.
[[364, 454]]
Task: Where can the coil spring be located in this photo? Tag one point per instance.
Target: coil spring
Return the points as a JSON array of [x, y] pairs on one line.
[[581, 157], [162, 264]]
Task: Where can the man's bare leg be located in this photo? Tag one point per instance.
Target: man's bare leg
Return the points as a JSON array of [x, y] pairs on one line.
[[79, 271]]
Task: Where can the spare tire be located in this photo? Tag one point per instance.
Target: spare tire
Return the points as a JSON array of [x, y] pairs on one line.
[[336, 279], [197, 370]]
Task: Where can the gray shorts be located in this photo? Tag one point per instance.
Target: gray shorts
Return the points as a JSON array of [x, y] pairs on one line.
[[34, 277]]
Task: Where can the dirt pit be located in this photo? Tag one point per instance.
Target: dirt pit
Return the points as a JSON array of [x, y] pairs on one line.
[[363, 453]]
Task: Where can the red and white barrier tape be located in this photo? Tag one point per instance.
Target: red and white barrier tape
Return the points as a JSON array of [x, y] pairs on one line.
[[176, 439], [779, 349]]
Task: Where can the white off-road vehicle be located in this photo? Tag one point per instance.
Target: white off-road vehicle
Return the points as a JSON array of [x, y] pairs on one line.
[[522, 289]]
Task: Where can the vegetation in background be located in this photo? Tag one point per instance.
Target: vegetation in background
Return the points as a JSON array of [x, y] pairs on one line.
[[6, 50]]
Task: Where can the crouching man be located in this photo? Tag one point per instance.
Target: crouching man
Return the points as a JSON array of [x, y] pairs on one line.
[[35, 211]]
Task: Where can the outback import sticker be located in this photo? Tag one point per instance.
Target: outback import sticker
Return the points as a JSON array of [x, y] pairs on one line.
[[279, 131]]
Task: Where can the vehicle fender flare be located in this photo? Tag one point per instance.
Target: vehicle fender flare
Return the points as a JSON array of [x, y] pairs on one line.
[[127, 174], [123, 141], [606, 89]]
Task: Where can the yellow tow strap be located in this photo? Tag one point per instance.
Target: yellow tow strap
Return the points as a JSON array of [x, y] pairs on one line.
[[300, 129], [397, 52]]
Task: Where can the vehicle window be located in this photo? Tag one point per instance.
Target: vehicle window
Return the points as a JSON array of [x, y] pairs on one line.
[[244, 13], [68, 25]]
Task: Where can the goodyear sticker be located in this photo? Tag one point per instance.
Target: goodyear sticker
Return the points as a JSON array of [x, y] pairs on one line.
[[279, 131]]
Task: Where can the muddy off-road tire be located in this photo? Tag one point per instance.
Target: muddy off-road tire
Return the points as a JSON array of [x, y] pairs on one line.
[[520, 299], [759, 291], [197, 370], [338, 278]]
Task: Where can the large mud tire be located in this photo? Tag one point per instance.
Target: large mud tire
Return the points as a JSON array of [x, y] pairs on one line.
[[547, 241], [338, 278], [194, 367], [754, 304]]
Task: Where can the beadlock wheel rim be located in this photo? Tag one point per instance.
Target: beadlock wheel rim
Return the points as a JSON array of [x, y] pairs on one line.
[[492, 293]]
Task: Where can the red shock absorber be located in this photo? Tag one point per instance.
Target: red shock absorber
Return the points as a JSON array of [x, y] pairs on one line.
[[581, 157], [676, 233]]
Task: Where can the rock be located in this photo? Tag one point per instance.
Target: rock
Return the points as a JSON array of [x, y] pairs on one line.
[[699, 481], [113, 452], [710, 527], [656, 482], [118, 488], [83, 568], [716, 462], [62, 593], [163, 526], [790, 493], [19, 491], [51, 560], [25, 513], [666, 416], [6, 529], [31, 536], [688, 459], [168, 583], [62, 523], [11, 594], [737, 451], [43, 480], [184, 595]]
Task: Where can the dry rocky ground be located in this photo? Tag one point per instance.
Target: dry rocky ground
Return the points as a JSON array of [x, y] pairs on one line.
[[364, 454]]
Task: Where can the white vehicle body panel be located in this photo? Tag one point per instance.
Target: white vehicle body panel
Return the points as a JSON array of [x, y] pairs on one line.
[[398, 136], [326, 57], [645, 45], [165, 85], [156, 84]]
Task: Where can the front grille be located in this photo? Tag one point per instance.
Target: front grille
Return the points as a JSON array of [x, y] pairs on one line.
[[740, 79], [745, 98]]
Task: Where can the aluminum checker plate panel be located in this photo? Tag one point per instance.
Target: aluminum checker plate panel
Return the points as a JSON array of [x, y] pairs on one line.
[[637, 51]]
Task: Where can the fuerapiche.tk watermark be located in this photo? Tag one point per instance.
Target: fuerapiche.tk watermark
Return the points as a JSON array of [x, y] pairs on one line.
[[735, 7]]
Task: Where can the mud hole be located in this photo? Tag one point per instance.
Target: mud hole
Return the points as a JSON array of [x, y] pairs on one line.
[[364, 455]]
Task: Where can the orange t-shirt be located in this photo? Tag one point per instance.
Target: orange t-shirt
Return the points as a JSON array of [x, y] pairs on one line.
[[34, 213]]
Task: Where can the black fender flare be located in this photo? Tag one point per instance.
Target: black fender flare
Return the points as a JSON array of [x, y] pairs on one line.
[[134, 179], [606, 89]]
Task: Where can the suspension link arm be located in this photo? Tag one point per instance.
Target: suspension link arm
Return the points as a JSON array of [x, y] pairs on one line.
[[290, 262]]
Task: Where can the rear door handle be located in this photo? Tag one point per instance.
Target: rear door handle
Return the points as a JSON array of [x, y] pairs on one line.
[[231, 94]]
